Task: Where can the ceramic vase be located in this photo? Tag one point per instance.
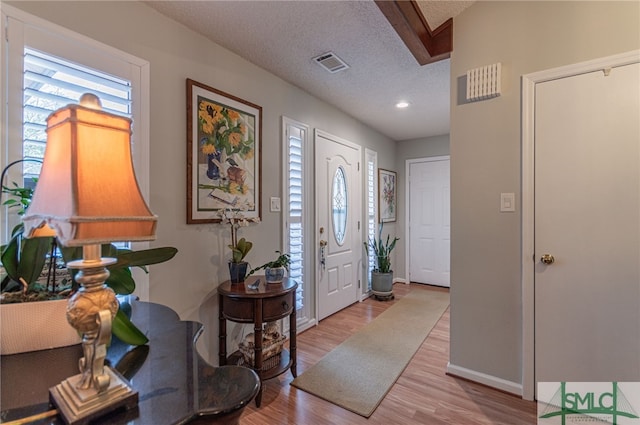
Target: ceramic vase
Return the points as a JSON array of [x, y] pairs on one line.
[[237, 271], [274, 274], [213, 171]]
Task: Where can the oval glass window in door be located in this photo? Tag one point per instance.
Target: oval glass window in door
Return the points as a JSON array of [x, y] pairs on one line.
[[339, 205]]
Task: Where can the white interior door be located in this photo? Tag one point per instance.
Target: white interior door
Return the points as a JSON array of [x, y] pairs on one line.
[[587, 216], [429, 221], [338, 199]]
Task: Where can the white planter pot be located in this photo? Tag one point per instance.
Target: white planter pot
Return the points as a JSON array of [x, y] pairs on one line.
[[274, 274], [35, 326]]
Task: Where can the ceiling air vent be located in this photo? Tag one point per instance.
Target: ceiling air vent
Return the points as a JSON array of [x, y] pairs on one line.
[[331, 62]]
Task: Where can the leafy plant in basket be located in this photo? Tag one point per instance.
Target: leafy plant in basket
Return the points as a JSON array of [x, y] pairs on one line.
[[382, 275], [23, 260]]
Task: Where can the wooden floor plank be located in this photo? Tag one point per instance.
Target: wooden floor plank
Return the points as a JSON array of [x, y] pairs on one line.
[[423, 394]]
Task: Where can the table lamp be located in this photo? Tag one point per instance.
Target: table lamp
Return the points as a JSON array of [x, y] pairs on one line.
[[88, 195]]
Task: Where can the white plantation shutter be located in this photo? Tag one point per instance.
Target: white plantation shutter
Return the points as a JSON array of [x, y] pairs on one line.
[[295, 218], [372, 190], [47, 67], [51, 83], [296, 248]]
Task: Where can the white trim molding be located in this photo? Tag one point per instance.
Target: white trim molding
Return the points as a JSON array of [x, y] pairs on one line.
[[529, 82], [306, 317], [484, 379]]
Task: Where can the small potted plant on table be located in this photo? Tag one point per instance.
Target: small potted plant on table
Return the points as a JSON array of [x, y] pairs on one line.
[[274, 270], [239, 247]]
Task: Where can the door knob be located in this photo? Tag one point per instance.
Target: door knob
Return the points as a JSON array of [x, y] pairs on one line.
[[547, 259]]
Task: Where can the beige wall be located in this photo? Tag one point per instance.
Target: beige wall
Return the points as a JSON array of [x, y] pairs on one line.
[[411, 149], [176, 53], [484, 145], [486, 297]]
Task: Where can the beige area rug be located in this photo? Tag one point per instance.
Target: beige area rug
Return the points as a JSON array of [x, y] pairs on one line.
[[358, 373]]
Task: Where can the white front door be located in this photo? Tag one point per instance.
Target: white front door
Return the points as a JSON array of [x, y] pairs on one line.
[[429, 221], [338, 241], [587, 227]]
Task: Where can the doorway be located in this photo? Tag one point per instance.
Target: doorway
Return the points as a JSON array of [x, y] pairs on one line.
[[428, 224], [338, 211], [581, 235]]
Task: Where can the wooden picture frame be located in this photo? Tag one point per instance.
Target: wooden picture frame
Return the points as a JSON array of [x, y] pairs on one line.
[[224, 140], [387, 203]]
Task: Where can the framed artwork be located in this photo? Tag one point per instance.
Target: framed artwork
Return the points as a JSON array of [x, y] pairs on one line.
[[224, 138], [387, 204]]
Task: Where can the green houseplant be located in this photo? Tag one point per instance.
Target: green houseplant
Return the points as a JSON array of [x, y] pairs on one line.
[[239, 247], [274, 270], [382, 275], [23, 260]]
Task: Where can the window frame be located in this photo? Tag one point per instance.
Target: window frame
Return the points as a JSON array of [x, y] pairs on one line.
[[371, 210], [22, 29], [305, 317]]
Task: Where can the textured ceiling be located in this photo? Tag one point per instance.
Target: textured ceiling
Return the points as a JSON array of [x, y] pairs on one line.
[[283, 37]]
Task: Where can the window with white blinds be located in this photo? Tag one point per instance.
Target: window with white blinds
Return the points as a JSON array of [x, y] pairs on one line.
[[372, 190], [294, 207], [46, 67], [51, 83], [295, 217]]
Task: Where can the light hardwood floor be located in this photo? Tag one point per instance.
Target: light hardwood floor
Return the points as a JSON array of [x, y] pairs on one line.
[[424, 393]]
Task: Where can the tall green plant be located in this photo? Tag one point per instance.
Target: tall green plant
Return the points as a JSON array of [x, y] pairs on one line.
[[381, 251]]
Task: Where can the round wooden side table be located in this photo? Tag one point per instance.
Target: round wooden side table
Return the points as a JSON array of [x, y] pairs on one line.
[[246, 302]]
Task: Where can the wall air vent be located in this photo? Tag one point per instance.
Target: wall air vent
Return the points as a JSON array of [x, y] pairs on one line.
[[331, 62], [484, 82]]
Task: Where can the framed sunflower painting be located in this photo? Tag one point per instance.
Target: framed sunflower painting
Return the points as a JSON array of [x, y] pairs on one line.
[[224, 136]]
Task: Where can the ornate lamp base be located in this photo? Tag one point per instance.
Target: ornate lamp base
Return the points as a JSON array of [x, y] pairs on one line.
[[98, 389], [79, 406]]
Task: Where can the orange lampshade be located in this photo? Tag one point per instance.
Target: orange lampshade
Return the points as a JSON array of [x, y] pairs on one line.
[[87, 191]]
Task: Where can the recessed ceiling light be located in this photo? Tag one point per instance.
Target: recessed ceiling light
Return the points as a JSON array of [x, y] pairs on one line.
[[402, 105]]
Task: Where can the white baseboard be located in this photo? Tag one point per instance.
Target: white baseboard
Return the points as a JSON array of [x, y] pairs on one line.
[[484, 379], [400, 280]]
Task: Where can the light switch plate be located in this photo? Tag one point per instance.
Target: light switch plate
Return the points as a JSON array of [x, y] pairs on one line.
[[274, 204], [507, 202]]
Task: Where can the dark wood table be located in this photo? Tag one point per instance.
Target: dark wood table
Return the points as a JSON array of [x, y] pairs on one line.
[[239, 302], [175, 385]]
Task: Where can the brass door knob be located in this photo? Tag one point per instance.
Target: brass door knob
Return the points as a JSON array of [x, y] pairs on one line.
[[547, 259]]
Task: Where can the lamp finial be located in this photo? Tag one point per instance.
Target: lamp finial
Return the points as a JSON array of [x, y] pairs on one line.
[[91, 101]]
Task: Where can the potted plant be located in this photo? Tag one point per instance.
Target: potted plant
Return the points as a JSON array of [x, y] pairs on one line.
[[239, 248], [382, 275], [237, 265], [23, 260], [274, 270]]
